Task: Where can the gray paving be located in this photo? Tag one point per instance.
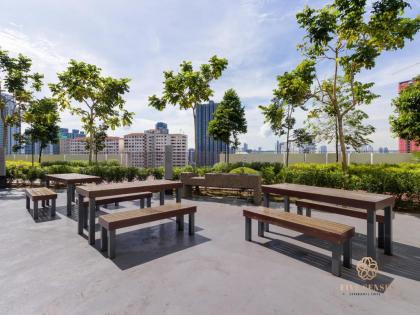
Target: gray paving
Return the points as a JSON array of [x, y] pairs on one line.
[[46, 268]]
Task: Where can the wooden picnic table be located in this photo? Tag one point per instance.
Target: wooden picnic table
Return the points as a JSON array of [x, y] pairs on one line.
[[70, 180], [91, 192], [359, 199]]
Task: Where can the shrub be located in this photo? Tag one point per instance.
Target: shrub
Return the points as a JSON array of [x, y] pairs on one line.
[[244, 170]]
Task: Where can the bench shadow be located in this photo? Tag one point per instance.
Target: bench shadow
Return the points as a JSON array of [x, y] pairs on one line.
[[44, 215], [323, 262], [140, 246], [405, 261]]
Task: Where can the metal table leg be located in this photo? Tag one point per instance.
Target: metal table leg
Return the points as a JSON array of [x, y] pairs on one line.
[[92, 208], [81, 216], [286, 203], [69, 198], [371, 234], [388, 231], [162, 197], [266, 204]]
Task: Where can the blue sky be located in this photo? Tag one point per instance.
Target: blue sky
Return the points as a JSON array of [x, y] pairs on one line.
[[141, 39]]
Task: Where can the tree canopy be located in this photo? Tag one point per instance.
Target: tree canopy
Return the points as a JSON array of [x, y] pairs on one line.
[[93, 97], [188, 87]]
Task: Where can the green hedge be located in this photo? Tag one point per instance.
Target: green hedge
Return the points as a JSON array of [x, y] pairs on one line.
[[401, 180]]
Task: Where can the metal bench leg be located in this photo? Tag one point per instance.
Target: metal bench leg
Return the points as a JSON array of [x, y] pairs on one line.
[[261, 228], [248, 229], [191, 223], [149, 202], [337, 250], [104, 239], [52, 209], [286, 202], [28, 203], [43, 203], [347, 253], [35, 215], [180, 222], [111, 244], [105, 206], [141, 203], [117, 204], [388, 248], [381, 235], [299, 210], [266, 204], [308, 212], [80, 219]]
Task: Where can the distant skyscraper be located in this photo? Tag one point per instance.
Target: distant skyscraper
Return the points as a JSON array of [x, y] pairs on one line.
[[208, 148], [191, 156], [11, 130], [245, 147], [161, 127], [366, 148]]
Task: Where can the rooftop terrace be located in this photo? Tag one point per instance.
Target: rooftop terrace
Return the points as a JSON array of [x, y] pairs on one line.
[[47, 268]]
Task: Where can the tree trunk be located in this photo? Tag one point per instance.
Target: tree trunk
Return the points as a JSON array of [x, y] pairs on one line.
[[227, 152], [90, 148], [287, 146], [342, 144], [40, 154], [336, 141], [32, 151]]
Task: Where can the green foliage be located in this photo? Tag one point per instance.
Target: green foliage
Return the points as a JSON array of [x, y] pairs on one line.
[[406, 121], [94, 98], [244, 170], [189, 88], [228, 121]]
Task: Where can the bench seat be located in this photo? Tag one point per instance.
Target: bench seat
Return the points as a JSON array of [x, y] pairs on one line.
[[343, 210], [121, 198], [111, 222], [42, 194], [339, 235]]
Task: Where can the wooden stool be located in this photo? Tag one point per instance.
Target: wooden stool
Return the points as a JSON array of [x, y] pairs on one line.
[[40, 194]]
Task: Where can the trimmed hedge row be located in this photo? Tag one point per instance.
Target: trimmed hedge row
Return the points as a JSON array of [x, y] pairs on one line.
[[401, 180]]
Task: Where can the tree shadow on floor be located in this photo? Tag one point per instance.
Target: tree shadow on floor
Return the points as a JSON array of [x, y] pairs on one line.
[[140, 246], [405, 261], [323, 262]]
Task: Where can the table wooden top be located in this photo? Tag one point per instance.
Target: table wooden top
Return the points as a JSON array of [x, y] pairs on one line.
[[358, 199], [93, 191], [74, 178]]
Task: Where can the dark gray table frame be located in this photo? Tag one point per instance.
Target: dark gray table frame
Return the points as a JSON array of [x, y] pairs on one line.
[[370, 202], [71, 180], [92, 192]]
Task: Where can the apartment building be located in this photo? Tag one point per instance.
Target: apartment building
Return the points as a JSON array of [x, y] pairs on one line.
[[148, 149], [113, 145]]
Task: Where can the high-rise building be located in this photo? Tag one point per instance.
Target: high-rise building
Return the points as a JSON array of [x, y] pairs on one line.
[[245, 147], [191, 156], [11, 130], [161, 127], [208, 148], [405, 146], [148, 149], [113, 145]]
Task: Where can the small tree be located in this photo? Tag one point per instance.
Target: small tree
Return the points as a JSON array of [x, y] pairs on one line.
[[228, 121], [94, 98], [98, 141], [189, 88], [294, 89], [351, 38], [17, 83], [43, 118], [405, 122]]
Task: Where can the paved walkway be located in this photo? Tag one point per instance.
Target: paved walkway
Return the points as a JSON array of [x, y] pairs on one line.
[[46, 268]]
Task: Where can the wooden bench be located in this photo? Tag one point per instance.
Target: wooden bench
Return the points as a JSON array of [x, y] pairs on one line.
[[111, 222], [343, 210], [339, 235], [42, 194]]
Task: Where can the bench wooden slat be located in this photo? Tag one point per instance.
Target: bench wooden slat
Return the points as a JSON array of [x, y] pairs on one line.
[[41, 193], [327, 230], [123, 219], [338, 209], [120, 198]]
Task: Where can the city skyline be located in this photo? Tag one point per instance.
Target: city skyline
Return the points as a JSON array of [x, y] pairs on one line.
[[249, 34]]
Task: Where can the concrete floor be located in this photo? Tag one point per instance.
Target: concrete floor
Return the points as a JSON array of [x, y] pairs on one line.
[[47, 268]]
